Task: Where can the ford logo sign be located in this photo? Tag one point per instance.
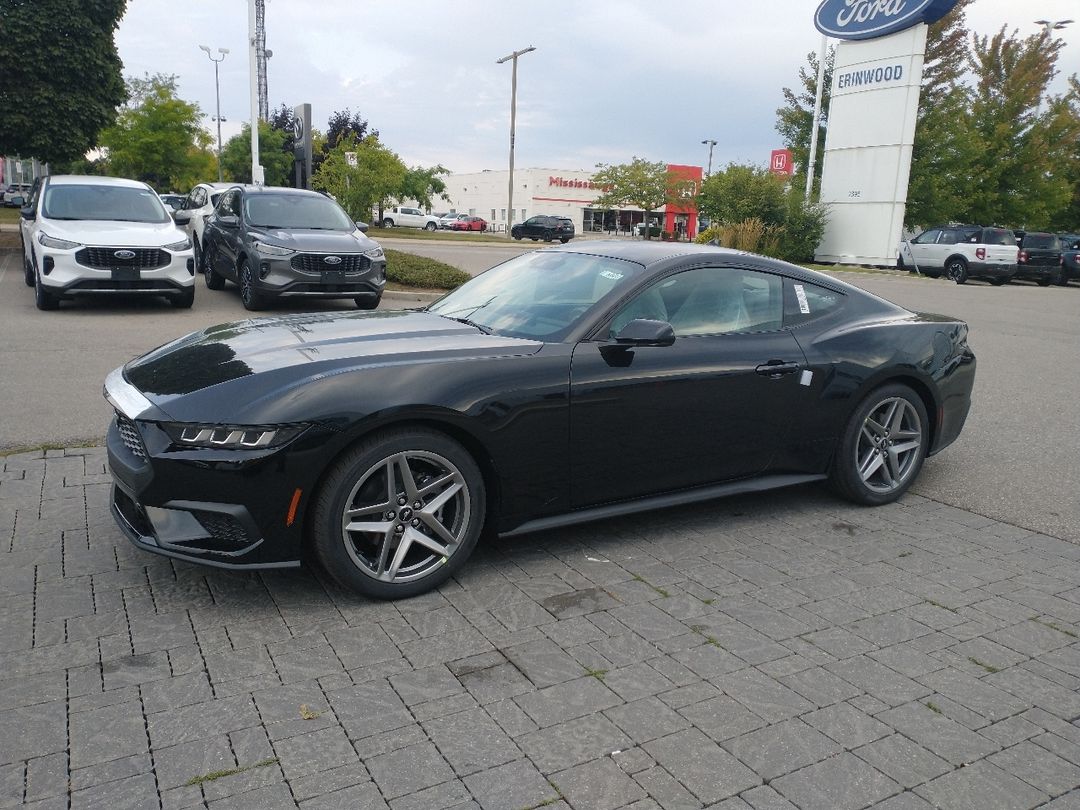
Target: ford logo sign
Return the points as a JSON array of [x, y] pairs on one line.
[[869, 19], [124, 254], [332, 259]]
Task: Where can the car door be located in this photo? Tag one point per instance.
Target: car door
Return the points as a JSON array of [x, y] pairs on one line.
[[713, 406], [223, 234], [918, 252]]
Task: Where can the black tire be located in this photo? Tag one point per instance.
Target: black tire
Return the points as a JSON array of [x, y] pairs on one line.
[[185, 299], [957, 269], [1063, 280], [366, 561], [388, 223], [900, 263], [430, 226], [997, 282], [548, 236], [197, 255], [28, 272], [43, 299], [518, 237], [533, 238], [854, 474], [367, 303], [214, 280], [564, 239], [249, 296], [1045, 282]]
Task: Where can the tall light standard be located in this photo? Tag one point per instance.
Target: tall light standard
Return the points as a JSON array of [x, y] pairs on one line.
[[217, 96], [513, 119], [709, 142], [1049, 26]]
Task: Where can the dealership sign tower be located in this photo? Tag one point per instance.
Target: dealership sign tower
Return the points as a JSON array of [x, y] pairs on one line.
[[877, 75]]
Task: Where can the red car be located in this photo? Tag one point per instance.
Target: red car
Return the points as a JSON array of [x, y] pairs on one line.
[[469, 224]]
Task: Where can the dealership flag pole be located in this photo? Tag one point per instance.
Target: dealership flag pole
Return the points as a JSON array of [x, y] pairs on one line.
[[815, 125]]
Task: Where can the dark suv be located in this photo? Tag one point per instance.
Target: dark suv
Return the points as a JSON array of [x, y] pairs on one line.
[[544, 227], [1040, 258], [287, 242], [1070, 257]]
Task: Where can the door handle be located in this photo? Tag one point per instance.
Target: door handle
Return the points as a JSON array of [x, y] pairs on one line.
[[777, 368]]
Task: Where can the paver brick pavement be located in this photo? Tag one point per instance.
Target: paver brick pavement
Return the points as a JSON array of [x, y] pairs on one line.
[[780, 650]]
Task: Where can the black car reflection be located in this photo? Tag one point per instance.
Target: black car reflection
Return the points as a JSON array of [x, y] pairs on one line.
[[564, 385]]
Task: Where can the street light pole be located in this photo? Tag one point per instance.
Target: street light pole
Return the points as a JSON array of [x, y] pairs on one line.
[[217, 97], [709, 142], [513, 119], [1048, 27]]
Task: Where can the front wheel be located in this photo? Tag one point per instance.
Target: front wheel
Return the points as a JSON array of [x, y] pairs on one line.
[[248, 294], [430, 226], [399, 513], [28, 272], [388, 223], [957, 270], [564, 239], [363, 302], [883, 447], [185, 299], [43, 299]]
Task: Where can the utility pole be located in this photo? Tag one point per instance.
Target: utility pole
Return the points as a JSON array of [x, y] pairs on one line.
[[709, 142], [217, 97], [513, 118]]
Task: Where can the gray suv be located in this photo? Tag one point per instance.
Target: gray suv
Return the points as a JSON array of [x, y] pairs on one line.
[[289, 243]]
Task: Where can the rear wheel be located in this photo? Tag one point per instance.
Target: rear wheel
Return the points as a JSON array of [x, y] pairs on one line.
[[548, 236], [564, 239], [398, 514], [883, 447], [248, 294], [957, 270], [196, 254]]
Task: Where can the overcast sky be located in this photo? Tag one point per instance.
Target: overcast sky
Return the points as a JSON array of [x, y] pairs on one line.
[[610, 79]]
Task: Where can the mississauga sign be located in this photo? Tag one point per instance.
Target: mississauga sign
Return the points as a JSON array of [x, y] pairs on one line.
[[870, 19]]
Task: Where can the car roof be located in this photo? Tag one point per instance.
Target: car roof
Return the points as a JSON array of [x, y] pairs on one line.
[[217, 186], [93, 180], [300, 192]]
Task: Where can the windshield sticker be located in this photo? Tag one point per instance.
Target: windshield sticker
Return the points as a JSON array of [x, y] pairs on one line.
[[611, 274], [800, 293]]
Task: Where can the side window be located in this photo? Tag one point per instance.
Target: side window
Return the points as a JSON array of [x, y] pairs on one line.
[[948, 237], [229, 205], [926, 237], [805, 302], [710, 301]]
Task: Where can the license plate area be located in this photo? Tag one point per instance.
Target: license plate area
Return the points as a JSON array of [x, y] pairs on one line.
[[125, 274], [333, 276]]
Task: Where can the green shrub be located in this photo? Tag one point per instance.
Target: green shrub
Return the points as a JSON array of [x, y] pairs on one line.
[[419, 271], [803, 230]]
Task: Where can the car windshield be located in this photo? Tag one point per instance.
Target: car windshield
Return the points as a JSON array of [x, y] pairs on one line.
[[295, 212], [538, 295], [111, 203]]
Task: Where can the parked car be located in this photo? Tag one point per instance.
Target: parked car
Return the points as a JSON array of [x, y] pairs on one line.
[[401, 217], [961, 252], [446, 221], [15, 190], [380, 445], [547, 228], [467, 223], [174, 202], [90, 235], [1070, 257], [1040, 258], [290, 243], [192, 215]]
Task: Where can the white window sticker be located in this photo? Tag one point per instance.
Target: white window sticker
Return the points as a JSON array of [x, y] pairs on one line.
[[800, 293], [610, 274]]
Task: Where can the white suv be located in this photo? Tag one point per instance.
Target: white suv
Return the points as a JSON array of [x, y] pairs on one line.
[[960, 252], [400, 217], [101, 235], [198, 205]]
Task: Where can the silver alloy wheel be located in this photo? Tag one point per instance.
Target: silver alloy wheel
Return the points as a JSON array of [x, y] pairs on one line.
[[247, 283], [406, 516], [888, 448]]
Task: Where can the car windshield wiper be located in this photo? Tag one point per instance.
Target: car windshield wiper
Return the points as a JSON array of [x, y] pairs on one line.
[[485, 329]]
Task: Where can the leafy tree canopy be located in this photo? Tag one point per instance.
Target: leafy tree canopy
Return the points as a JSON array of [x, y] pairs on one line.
[[236, 156], [60, 76], [741, 192], [641, 183], [424, 185], [378, 177], [794, 121], [158, 138]]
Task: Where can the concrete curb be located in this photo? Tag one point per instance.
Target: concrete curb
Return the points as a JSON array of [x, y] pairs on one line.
[[406, 298]]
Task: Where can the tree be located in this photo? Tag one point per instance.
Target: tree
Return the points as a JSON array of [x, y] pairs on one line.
[[423, 185], [61, 77], [378, 176], [741, 192], [236, 156], [646, 185], [794, 121], [158, 138], [1068, 218], [343, 125]]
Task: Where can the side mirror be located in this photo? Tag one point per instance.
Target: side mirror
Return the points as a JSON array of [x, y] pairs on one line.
[[17, 201], [361, 226], [645, 332], [181, 217], [27, 213], [228, 221]]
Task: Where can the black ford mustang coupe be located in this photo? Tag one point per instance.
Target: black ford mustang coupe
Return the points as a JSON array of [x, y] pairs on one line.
[[564, 385]]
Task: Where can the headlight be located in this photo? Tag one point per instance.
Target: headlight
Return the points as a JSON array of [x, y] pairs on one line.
[[273, 250], [53, 242], [231, 437], [375, 253], [183, 244]]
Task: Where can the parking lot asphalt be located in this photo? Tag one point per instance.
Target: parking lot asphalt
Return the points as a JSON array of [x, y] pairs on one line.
[[780, 650]]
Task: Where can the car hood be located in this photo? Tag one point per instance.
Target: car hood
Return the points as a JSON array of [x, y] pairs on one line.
[[290, 350], [109, 233], [317, 241]]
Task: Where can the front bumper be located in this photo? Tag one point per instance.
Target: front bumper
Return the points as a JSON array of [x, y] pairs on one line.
[[280, 277], [63, 276]]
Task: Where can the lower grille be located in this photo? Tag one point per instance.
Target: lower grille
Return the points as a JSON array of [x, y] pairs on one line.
[[315, 262], [226, 532], [105, 257], [129, 434]]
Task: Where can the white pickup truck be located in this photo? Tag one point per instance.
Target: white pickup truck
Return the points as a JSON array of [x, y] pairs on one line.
[[400, 217]]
